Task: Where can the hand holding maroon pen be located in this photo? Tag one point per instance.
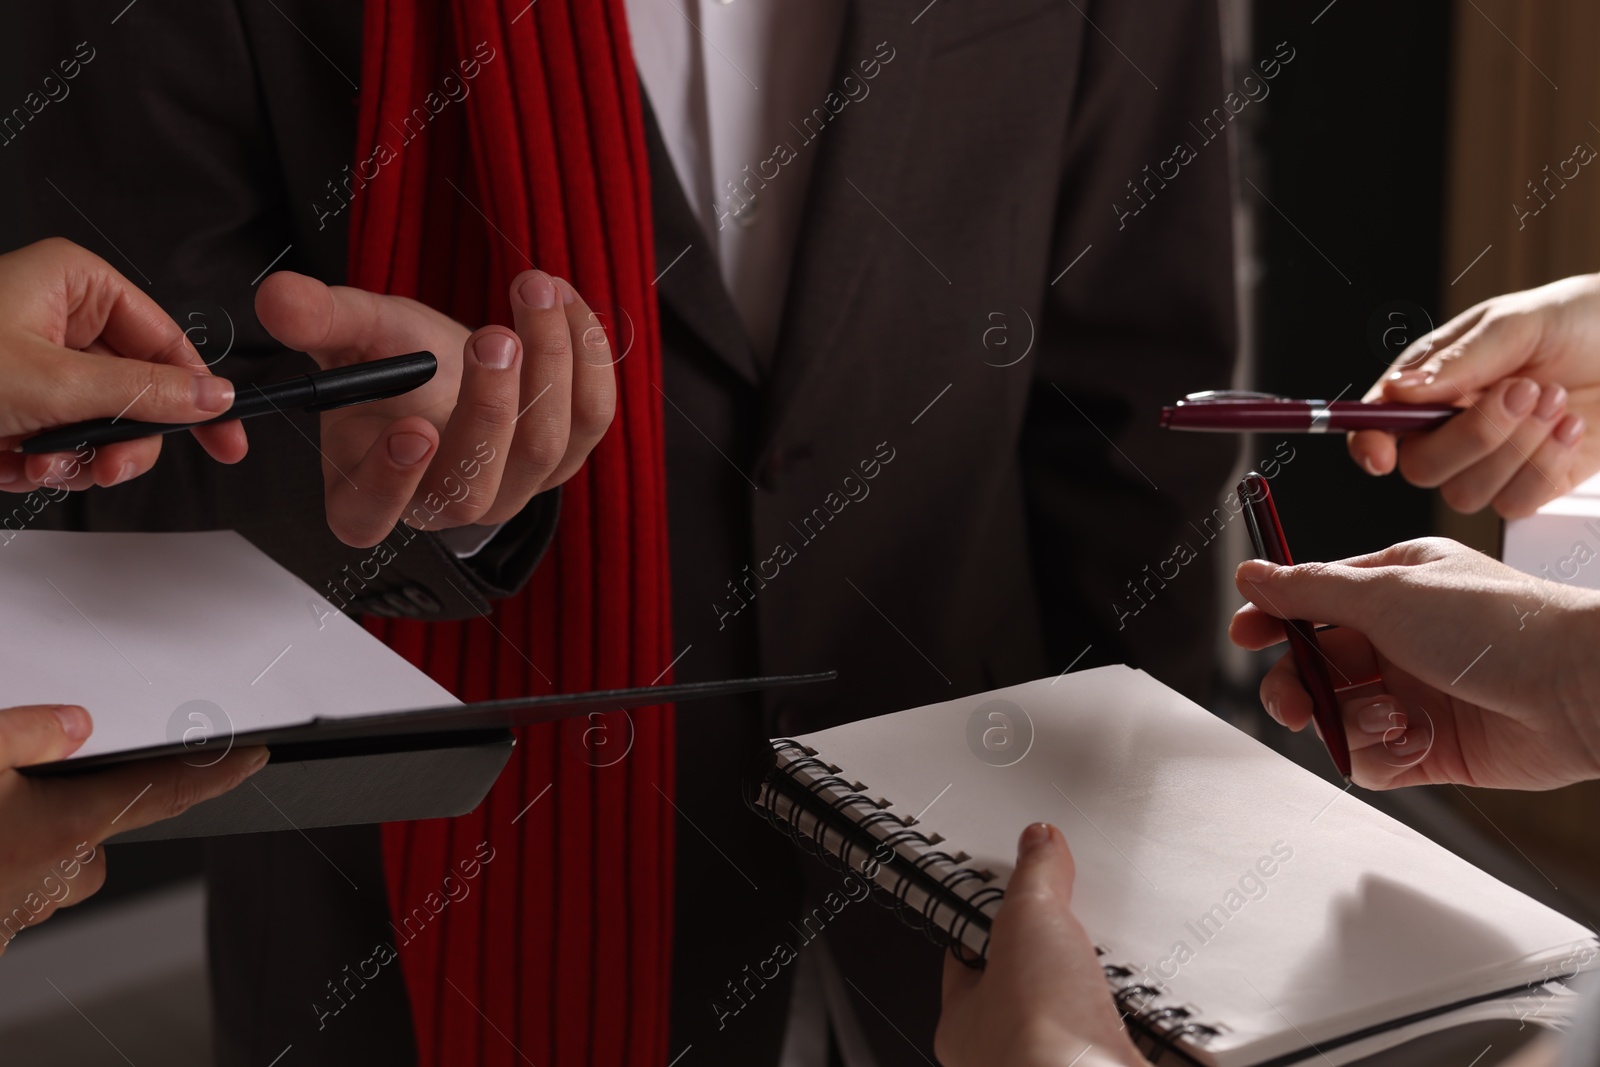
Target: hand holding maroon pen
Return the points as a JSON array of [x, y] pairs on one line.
[[1266, 534], [1461, 670], [1525, 369], [1238, 411]]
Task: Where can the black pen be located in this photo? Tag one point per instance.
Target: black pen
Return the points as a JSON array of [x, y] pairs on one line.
[[320, 391]]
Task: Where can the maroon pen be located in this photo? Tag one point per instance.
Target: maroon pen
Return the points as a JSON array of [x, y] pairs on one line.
[[1266, 532], [1234, 411]]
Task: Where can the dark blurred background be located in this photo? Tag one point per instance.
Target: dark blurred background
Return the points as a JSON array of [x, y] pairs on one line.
[[1350, 150], [1378, 175]]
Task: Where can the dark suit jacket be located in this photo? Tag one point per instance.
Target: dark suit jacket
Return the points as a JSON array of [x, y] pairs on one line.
[[948, 477]]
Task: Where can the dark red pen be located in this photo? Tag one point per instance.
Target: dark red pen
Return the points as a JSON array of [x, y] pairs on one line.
[[1233, 411], [1266, 532]]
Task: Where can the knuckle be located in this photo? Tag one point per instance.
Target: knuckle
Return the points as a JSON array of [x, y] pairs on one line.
[[1418, 469], [1303, 572], [595, 342], [181, 795], [1482, 433], [539, 453], [467, 511], [592, 418], [556, 344], [1423, 549], [492, 407], [167, 387], [1512, 505], [81, 824], [1460, 497]]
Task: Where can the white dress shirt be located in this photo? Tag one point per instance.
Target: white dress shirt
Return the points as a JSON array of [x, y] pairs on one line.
[[731, 81]]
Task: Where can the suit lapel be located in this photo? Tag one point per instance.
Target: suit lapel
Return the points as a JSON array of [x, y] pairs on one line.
[[860, 157], [688, 278]]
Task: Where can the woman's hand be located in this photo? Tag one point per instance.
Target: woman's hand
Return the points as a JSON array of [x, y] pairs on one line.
[[52, 827], [1479, 674], [509, 414], [66, 316], [1526, 369], [1042, 1000]]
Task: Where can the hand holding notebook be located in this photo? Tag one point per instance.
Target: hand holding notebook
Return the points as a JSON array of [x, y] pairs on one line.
[[1246, 912], [1042, 1000]]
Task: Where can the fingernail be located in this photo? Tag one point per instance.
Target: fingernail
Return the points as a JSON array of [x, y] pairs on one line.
[[75, 722], [1570, 430], [1271, 705], [569, 295], [258, 761], [1410, 379], [407, 449], [537, 292], [8, 474], [1521, 397], [212, 393], [495, 350], [1256, 571], [123, 474], [1553, 400], [1370, 467], [1379, 717], [1033, 837]]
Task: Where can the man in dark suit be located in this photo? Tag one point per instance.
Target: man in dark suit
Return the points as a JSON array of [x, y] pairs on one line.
[[945, 475]]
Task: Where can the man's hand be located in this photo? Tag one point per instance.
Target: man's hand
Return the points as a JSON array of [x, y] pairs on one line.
[[49, 849], [508, 415], [1463, 669], [79, 341], [1042, 1000], [1526, 369]]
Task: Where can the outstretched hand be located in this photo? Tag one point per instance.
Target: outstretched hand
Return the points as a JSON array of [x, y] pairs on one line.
[[50, 856], [510, 413], [1525, 369], [79, 341]]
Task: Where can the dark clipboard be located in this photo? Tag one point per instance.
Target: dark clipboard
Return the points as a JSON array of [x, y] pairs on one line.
[[389, 730]]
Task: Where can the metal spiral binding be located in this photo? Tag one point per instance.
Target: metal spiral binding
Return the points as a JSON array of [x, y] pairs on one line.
[[870, 828], [861, 824], [1158, 1028]]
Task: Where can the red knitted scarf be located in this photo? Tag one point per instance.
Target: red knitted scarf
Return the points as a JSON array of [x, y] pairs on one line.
[[494, 137]]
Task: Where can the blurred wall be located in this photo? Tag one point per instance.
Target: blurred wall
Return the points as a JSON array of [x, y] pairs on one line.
[[1344, 168], [1525, 95]]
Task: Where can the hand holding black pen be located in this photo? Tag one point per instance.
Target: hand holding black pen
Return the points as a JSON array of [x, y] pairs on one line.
[[358, 383], [513, 411]]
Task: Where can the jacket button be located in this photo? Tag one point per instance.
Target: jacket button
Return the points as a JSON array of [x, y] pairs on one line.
[[425, 601], [400, 605]]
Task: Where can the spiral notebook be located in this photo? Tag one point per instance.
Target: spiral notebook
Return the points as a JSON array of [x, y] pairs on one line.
[[1247, 912]]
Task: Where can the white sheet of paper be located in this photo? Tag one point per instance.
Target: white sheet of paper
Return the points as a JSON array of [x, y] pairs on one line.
[[1560, 541], [1278, 905], [181, 636]]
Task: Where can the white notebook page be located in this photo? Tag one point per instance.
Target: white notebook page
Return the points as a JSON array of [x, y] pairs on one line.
[[1333, 916], [155, 632]]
